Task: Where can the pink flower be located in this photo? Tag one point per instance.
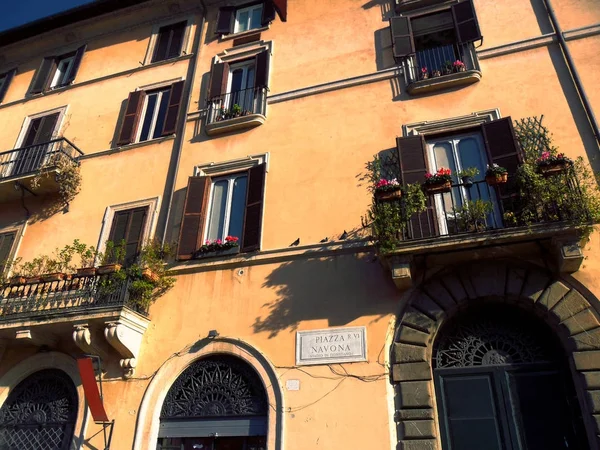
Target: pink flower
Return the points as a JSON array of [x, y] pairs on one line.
[[428, 176], [545, 155], [458, 63], [218, 241], [231, 239], [423, 69]]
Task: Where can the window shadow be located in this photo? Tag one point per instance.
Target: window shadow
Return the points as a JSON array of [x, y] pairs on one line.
[[384, 56], [339, 289]]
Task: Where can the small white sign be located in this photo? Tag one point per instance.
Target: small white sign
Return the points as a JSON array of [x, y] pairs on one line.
[[292, 385], [331, 345]]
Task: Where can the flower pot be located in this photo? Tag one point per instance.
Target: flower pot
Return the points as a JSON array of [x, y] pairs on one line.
[[460, 69], [108, 268], [217, 253], [55, 276], [15, 281], [495, 179], [438, 188], [447, 72], [149, 275], [389, 195], [33, 280], [467, 181], [436, 73], [424, 76], [86, 272], [550, 170]]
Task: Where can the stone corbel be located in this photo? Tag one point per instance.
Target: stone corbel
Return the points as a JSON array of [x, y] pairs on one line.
[[83, 339], [126, 337], [569, 254], [401, 269]]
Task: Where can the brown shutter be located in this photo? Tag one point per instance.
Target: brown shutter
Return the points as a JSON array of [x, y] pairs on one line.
[[402, 38], [194, 215], [46, 129], [413, 167], [133, 111], [40, 80], [262, 69], [76, 63], [6, 243], [175, 96], [281, 7], [254, 209], [225, 20], [162, 44], [268, 13], [128, 226], [8, 76], [177, 33], [218, 80], [465, 22], [503, 149]]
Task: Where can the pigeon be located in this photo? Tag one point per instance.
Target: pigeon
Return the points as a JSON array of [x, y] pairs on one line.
[[324, 240], [295, 243], [344, 235]]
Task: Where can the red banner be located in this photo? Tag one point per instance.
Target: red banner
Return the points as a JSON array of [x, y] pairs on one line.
[[90, 389]]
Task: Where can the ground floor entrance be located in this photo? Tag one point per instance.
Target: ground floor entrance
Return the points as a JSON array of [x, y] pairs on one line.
[[214, 443]]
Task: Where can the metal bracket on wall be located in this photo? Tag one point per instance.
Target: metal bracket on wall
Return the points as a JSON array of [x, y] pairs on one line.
[[107, 426]]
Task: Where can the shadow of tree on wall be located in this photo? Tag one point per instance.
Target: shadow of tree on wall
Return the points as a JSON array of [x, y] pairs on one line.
[[340, 289]]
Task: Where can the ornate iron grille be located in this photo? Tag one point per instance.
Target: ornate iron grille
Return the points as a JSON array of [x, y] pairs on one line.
[[40, 413], [493, 338], [216, 387]]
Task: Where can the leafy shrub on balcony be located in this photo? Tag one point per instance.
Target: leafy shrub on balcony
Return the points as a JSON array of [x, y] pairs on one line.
[[68, 176]]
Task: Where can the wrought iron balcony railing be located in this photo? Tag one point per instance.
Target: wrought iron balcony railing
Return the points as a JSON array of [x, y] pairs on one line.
[[33, 158], [237, 104], [439, 62], [55, 298]]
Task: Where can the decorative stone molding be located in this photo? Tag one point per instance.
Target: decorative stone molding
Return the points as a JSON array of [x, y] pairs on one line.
[[235, 124], [451, 124], [569, 312], [443, 82], [35, 337], [125, 335], [569, 254], [82, 336]]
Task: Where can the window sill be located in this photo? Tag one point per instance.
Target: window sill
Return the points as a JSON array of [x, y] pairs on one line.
[[235, 124], [228, 37], [443, 82], [217, 254]]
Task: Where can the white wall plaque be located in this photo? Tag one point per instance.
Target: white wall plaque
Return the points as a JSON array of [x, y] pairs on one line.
[[292, 385], [331, 345]]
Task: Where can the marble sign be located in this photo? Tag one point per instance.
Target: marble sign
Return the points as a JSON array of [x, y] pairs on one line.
[[331, 345]]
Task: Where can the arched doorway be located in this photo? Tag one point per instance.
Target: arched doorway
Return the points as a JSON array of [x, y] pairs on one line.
[[217, 403], [502, 382], [40, 413]]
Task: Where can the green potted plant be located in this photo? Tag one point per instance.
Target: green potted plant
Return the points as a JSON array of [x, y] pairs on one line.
[[388, 190], [14, 269], [33, 270], [550, 163], [112, 259], [495, 175], [87, 257], [152, 259], [439, 182], [467, 175], [218, 247], [447, 68], [510, 219], [59, 267], [472, 215]]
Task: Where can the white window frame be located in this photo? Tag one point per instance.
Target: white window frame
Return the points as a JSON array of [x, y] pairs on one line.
[[58, 74], [19, 231], [154, 118], [249, 9], [152, 204], [185, 44], [245, 66], [230, 181]]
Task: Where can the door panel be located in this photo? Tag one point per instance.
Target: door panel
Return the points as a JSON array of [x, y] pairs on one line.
[[230, 443], [39, 133]]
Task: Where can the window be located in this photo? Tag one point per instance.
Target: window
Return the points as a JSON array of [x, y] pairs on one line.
[[170, 42], [128, 226], [151, 114], [224, 205], [5, 80], [7, 241], [36, 143], [249, 17], [57, 71]]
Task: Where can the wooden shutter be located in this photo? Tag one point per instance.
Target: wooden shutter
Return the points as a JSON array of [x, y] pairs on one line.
[[40, 80], [8, 76], [281, 7], [465, 22], [128, 226], [194, 216], [268, 13], [6, 243], [175, 96], [162, 44], [413, 167], [76, 63], [254, 209], [218, 80], [402, 37], [177, 33], [46, 129], [225, 20], [133, 111], [262, 69]]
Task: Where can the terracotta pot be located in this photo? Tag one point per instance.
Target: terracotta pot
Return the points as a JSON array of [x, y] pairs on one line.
[[388, 196], [56, 276], [460, 68], [108, 268], [550, 170], [86, 272], [149, 275], [436, 73], [15, 281], [438, 188], [33, 280], [495, 179]]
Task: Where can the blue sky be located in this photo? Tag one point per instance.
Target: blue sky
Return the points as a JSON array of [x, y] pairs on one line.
[[19, 12]]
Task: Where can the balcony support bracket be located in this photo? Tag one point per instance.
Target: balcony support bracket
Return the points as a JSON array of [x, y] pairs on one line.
[[36, 338], [402, 271], [125, 335], [88, 344], [568, 253]]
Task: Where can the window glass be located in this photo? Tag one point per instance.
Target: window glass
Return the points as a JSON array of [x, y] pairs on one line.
[[227, 208], [162, 113], [248, 18], [242, 20], [63, 69], [148, 117], [217, 211], [154, 114], [238, 206], [256, 18]]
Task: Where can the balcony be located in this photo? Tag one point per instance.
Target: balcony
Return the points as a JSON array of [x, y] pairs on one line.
[[236, 111], [93, 311], [428, 71], [34, 168]]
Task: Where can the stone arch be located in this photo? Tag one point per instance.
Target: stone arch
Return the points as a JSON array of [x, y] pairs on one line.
[[568, 308], [146, 433], [50, 360]]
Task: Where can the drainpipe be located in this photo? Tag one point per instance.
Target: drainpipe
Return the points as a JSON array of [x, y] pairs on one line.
[[180, 132], [574, 74]]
